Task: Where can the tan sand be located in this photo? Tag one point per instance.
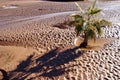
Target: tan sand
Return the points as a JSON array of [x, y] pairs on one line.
[[28, 43], [11, 56], [98, 44]]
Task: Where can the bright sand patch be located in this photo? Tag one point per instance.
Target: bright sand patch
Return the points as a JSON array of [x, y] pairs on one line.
[[97, 45], [11, 56], [9, 7]]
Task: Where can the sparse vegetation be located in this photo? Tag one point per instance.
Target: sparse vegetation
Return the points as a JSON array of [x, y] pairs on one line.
[[88, 24]]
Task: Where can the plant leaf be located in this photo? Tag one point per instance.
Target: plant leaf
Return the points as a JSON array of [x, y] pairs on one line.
[[94, 11], [105, 23], [77, 17], [91, 34], [79, 7], [78, 29], [94, 3], [97, 25]]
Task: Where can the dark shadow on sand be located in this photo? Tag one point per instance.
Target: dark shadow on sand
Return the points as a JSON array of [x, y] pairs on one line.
[[49, 65], [4, 74]]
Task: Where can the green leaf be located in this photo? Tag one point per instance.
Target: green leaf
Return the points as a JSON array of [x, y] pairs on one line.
[[97, 25], [79, 29], [94, 11], [91, 34], [105, 23], [77, 17]]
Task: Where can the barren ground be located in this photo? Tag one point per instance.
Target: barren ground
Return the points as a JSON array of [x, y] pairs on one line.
[[32, 49]]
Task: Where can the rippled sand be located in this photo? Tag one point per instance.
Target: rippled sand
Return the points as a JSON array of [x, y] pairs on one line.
[[31, 48]]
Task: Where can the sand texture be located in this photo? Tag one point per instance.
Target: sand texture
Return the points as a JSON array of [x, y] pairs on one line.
[[32, 48]]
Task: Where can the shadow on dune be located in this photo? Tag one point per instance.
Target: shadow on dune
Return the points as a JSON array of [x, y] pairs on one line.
[[4, 74], [49, 65]]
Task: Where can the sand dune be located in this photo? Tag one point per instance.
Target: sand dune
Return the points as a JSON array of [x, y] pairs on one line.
[[31, 48]]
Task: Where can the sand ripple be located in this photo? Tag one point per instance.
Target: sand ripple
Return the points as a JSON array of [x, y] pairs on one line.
[[70, 64]]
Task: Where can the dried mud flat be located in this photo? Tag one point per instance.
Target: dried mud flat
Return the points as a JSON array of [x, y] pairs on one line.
[[51, 55]]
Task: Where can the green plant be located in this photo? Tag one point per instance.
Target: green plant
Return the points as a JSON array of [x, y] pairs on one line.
[[87, 23]]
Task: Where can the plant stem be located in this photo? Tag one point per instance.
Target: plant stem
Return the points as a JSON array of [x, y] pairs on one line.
[[79, 7]]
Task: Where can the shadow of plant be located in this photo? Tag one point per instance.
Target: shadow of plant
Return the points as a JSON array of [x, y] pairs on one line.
[[49, 65], [4, 74]]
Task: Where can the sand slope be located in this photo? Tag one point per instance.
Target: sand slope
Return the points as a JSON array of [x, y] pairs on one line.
[[31, 48]]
